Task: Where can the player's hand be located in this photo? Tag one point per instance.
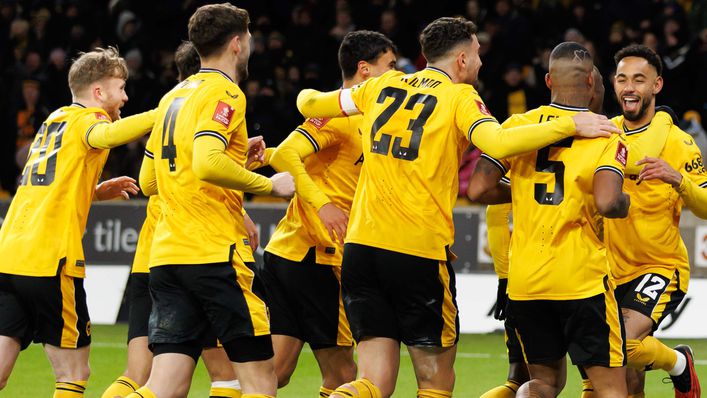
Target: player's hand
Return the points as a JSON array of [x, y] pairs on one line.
[[335, 220], [119, 187], [669, 111], [499, 312], [252, 231], [591, 125], [256, 150], [659, 169], [283, 185]]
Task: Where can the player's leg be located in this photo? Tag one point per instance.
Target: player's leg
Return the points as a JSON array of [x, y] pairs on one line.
[[434, 370], [281, 280], [15, 328], [139, 355], [325, 325], [373, 322], [63, 327], [378, 365], [224, 381], [645, 302], [540, 331], [231, 296], [517, 368], [596, 343], [546, 380], [9, 351], [177, 328]]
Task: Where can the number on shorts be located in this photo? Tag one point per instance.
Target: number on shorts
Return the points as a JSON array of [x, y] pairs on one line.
[[651, 290]]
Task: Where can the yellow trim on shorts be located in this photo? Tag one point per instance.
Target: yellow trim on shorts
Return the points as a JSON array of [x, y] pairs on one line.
[[664, 299], [449, 310], [613, 321], [522, 346], [258, 310], [343, 335], [70, 331]]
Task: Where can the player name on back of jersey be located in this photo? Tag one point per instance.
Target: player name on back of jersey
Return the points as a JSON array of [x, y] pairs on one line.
[[423, 82]]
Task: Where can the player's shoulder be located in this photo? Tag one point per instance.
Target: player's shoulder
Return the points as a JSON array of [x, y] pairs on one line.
[[680, 141], [521, 119]]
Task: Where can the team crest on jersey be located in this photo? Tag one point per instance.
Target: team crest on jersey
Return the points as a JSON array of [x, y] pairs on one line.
[[319, 122], [621, 153], [482, 108], [223, 113], [101, 116]]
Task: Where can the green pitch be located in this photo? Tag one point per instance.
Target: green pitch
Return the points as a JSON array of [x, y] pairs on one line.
[[481, 364]]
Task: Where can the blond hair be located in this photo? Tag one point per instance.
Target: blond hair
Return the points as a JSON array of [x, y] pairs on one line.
[[94, 66]]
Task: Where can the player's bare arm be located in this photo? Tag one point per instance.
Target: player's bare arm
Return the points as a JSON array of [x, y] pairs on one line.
[[485, 186], [609, 198]]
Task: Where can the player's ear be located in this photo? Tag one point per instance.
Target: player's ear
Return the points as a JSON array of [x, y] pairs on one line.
[[364, 69], [548, 81], [590, 80], [97, 91], [658, 85], [235, 44]]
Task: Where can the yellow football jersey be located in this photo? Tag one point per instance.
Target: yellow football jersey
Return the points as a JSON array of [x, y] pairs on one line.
[[415, 128], [556, 247], [141, 260], [334, 168], [648, 240], [199, 220], [44, 226]]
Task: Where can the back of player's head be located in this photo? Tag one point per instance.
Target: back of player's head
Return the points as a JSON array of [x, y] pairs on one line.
[[187, 60], [444, 34], [571, 51], [96, 65], [361, 45], [212, 26], [640, 51]]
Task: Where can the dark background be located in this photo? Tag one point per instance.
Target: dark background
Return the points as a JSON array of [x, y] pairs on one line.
[[295, 44]]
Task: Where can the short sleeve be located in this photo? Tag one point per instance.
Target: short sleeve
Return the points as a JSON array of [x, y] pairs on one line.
[[614, 156]]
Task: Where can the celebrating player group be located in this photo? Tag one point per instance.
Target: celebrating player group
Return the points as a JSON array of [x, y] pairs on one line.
[[361, 260]]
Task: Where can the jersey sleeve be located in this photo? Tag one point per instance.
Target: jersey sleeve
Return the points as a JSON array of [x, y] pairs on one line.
[[220, 115], [148, 177], [102, 134], [359, 98], [289, 156], [693, 187], [499, 236], [504, 165], [319, 133], [483, 130], [614, 156]]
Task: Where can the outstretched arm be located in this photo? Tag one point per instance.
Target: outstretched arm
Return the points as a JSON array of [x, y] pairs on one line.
[[106, 135]]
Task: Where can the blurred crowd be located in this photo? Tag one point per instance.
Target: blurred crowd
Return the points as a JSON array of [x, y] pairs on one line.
[[295, 46]]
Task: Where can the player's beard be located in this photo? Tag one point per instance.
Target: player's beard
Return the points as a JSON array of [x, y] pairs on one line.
[[634, 116], [242, 70]]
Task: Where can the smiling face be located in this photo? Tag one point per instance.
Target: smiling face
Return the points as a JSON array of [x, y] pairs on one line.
[[636, 84], [110, 93]]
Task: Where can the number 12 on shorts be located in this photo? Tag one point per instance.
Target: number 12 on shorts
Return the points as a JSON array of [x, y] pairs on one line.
[[652, 289]]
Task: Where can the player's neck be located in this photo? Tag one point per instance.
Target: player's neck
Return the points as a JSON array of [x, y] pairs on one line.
[[446, 67], [644, 120], [570, 99], [223, 64], [87, 102]]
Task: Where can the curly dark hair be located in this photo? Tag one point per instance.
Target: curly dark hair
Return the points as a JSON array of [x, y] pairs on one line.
[[443, 34], [361, 45], [640, 51], [212, 26]]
